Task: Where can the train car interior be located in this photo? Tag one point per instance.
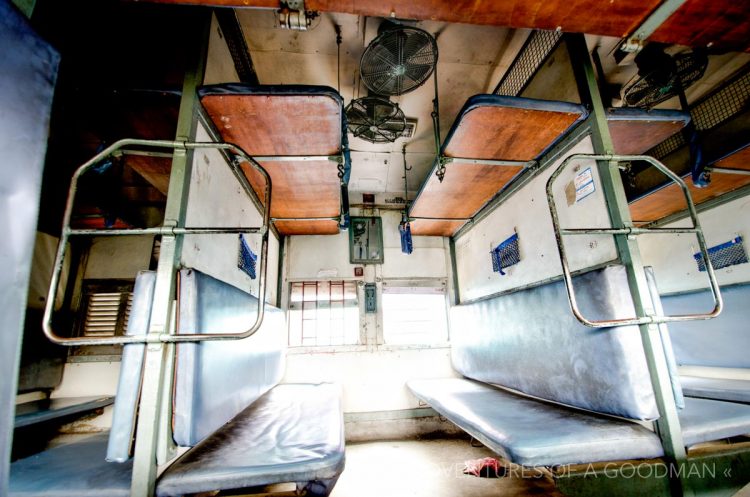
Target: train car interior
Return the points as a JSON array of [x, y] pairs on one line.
[[356, 248]]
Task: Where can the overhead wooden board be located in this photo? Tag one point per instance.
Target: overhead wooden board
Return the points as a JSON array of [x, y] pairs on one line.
[[635, 131], [670, 199], [270, 124], [723, 24], [489, 127]]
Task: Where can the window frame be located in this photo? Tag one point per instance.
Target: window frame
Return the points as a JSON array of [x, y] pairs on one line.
[[441, 283], [317, 348]]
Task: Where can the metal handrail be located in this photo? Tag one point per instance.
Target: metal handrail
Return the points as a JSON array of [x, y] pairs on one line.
[[67, 232], [629, 230]]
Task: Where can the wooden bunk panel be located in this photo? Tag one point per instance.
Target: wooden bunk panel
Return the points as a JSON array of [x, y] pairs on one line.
[[280, 120], [299, 189], [464, 190], [490, 127], [509, 128], [285, 120], [723, 24], [308, 227], [424, 227], [585, 16], [635, 131], [670, 200], [738, 160]]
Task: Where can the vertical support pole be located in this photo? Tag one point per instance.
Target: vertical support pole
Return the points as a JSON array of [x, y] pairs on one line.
[[454, 272], [668, 425], [159, 356]]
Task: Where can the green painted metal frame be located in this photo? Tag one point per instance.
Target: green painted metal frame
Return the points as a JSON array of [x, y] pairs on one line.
[[159, 358], [634, 42], [668, 425], [720, 471]]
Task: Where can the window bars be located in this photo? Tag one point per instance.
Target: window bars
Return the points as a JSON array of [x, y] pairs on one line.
[[712, 110]]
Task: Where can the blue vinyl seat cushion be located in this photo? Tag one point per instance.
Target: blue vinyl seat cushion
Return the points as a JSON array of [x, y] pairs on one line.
[[293, 433], [716, 388]]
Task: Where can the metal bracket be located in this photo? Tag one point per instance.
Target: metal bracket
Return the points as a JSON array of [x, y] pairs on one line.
[[635, 42], [440, 172], [293, 15]]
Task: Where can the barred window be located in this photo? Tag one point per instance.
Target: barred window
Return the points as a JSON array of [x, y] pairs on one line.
[[323, 313]]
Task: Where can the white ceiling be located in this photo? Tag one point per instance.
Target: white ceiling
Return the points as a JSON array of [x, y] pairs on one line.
[[471, 61]]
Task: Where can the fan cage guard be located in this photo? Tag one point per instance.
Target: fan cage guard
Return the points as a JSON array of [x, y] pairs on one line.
[[644, 92], [247, 259], [384, 128], [398, 60], [727, 254], [506, 254]]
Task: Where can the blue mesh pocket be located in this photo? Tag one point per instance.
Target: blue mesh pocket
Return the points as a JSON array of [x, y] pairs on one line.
[[247, 259], [506, 254]]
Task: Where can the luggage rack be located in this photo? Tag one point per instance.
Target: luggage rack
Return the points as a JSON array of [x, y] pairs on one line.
[[630, 231], [164, 230]]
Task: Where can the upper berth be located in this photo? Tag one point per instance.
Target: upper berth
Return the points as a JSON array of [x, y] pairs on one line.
[[668, 199], [491, 142], [496, 138], [298, 135]]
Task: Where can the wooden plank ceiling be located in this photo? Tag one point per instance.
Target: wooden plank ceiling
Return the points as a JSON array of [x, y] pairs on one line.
[[723, 24], [287, 125]]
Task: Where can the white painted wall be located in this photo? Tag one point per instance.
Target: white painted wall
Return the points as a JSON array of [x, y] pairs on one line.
[[219, 64], [115, 257], [527, 212], [373, 375], [217, 199], [372, 380], [672, 255]]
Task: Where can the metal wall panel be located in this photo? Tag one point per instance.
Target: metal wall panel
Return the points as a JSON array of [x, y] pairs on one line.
[[28, 70]]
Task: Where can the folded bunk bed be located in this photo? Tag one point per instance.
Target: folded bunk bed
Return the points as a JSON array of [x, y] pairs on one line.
[[298, 135], [101, 120], [243, 429]]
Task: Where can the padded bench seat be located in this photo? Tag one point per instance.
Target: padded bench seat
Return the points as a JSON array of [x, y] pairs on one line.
[[532, 432], [732, 390], [76, 469], [293, 433]]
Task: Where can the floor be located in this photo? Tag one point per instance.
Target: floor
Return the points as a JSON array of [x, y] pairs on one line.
[[429, 468]]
